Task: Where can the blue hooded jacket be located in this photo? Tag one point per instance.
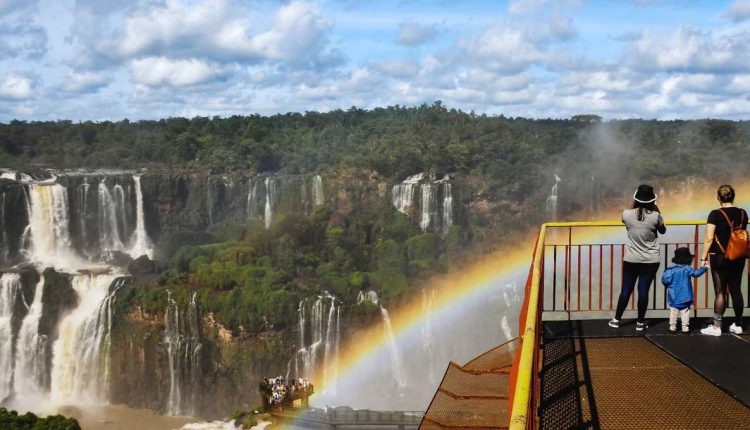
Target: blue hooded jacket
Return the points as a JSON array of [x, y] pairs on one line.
[[679, 287]]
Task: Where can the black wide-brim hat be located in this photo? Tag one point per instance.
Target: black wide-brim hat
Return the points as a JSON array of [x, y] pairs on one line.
[[682, 256], [644, 194]]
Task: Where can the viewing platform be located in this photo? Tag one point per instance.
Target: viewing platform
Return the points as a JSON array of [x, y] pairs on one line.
[[570, 370]]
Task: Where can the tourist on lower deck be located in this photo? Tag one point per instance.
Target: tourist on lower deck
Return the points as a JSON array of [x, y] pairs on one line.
[[643, 223], [725, 273]]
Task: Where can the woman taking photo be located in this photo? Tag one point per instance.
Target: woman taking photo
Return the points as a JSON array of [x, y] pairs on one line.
[[726, 274], [641, 260]]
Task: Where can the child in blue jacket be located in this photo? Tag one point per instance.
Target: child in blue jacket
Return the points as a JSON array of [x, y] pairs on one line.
[[680, 288]]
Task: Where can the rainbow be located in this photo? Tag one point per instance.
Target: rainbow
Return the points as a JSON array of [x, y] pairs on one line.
[[461, 289]]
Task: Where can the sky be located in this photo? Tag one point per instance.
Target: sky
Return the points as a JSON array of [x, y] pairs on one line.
[[149, 59]]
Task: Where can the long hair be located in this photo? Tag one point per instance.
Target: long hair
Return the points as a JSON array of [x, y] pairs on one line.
[[645, 208]]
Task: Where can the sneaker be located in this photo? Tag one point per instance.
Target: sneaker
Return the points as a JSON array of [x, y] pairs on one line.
[[711, 331], [736, 329], [673, 329], [640, 326], [614, 323], [685, 330]]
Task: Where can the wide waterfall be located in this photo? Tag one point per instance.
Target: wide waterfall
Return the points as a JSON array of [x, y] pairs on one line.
[[182, 339], [322, 318], [50, 239], [426, 201], [109, 234], [10, 286], [78, 363], [31, 375]]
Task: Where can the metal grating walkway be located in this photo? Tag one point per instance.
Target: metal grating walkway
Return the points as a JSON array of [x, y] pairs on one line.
[[629, 383]]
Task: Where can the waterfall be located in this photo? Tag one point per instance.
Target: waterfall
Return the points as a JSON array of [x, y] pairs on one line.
[[10, 285], [183, 344], [403, 193], [325, 329], [427, 200], [5, 250], [397, 366], [447, 204], [551, 205], [141, 242], [48, 226], [30, 374], [270, 195], [83, 207], [252, 199], [121, 208], [79, 356], [367, 296], [317, 190], [109, 235]]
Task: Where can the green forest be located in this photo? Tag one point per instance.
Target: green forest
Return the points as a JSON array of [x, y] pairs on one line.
[[255, 277]]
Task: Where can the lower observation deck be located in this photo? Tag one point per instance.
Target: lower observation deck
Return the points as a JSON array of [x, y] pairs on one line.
[[593, 376]]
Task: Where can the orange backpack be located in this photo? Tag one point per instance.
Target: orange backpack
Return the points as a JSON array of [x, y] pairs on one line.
[[738, 245]]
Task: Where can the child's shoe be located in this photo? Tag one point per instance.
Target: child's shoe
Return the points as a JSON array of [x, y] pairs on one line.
[[686, 330], [673, 329]]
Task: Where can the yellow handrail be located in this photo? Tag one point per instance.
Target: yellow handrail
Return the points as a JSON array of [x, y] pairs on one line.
[[522, 393]]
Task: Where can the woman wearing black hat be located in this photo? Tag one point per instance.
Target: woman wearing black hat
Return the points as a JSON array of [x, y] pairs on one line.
[[726, 274], [641, 260]]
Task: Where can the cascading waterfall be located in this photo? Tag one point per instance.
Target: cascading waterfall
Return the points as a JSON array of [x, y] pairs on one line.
[[48, 226], [447, 204], [397, 365], [317, 190], [83, 207], [109, 235], [252, 199], [270, 196], [427, 200], [141, 242], [30, 373], [79, 359], [4, 250], [10, 286], [551, 205], [367, 296], [403, 193], [121, 208], [325, 329], [182, 340]]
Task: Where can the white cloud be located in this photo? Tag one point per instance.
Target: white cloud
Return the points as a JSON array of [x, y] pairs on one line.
[[16, 87], [535, 6], [739, 10], [398, 68], [691, 50], [503, 49], [413, 34], [157, 71], [84, 82], [213, 30], [23, 40]]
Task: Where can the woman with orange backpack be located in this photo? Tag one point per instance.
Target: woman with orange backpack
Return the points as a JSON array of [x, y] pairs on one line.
[[725, 230]]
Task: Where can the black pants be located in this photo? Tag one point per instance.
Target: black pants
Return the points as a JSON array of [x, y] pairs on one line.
[[644, 273], [727, 277]]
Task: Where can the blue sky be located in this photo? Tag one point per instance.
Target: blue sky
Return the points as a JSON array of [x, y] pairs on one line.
[[115, 59]]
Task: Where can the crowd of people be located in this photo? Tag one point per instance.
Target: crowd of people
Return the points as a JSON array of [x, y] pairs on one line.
[[281, 390], [725, 249]]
